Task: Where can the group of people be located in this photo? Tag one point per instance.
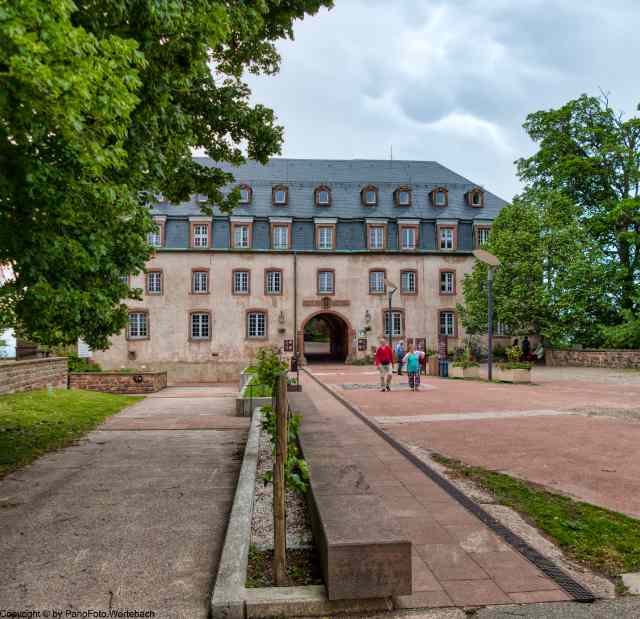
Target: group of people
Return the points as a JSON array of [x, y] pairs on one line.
[[525, 347], [411, 359]]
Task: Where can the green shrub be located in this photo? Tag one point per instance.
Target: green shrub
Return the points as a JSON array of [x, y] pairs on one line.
[[514, 354], [78, 364], [515, 365]]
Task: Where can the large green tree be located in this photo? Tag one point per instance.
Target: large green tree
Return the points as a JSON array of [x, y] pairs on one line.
[[101, 105], [552, 278], [591, 154]]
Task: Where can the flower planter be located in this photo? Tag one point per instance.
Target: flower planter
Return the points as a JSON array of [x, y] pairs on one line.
[[460, 372], [519, 375], [294, 387]]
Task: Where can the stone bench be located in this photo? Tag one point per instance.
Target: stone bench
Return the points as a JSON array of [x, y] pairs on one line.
[[363, 553]]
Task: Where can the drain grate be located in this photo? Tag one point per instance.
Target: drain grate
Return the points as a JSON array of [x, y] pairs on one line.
[[577, 591]]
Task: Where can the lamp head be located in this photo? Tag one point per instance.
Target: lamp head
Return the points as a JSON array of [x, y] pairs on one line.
[[486, 257]]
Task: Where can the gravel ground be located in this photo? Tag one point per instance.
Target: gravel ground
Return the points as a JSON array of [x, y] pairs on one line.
[[299, 533], [600, 586], [626, 414]]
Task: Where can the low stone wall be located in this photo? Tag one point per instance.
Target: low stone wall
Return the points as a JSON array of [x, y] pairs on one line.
[[33, 374], [119, 382], [605, 358]]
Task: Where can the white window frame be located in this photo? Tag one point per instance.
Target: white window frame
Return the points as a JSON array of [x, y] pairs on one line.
[[197, 279], [379, 287], [396, 323], [241, 236], [138, 326], [326, 282], [200, 327], [276, 232], [484, 231], [407, 194], [278, 192], [325, 237], [440, 198], [447, 323], [502, 330], [154, 282], [374, 197], [271, 277], [376, 231], [200, 235], [154, 238], [245, 195], [447, 282], [476, 198], [446, 238], [241, 282], [413, 277], [256, 325], [412, 232]]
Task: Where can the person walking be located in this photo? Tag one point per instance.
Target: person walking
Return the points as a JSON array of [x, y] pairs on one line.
[[384, 363], [412, 360], [526, 348], [400, 352]]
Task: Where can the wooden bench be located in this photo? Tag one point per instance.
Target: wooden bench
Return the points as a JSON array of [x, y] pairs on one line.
[[363, 553]]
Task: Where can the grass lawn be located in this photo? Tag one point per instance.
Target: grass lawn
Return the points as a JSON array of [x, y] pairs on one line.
[[605, 541], [32, 422]]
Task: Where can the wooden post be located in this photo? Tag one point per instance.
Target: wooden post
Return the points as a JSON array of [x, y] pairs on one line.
[[279, 517]]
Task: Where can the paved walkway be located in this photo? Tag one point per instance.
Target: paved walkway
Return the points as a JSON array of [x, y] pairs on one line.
[[133, 516], [576, 430], [457, 560]]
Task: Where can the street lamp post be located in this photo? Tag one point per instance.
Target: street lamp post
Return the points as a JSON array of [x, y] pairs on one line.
[[492, 262], [391, 287]]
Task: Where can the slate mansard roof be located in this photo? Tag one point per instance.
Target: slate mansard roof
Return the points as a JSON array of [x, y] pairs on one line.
[[346, 178]]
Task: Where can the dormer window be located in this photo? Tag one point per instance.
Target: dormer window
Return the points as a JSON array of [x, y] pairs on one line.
[[322, 196], [369, 196], [440, 197], [475, 198], [403, 196], [280, 195], [246, 193]]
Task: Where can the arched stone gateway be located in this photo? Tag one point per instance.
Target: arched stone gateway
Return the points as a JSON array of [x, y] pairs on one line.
[[326, 336]]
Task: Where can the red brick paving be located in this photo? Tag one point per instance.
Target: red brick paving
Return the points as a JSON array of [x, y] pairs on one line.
[[456, 557], [594, 459]]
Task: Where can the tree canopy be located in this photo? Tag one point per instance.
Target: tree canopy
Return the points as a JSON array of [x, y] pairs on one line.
[[101, 105], [552, 278]]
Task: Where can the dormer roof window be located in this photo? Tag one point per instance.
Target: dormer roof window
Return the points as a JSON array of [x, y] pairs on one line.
[[403, 196], [475, 198], [322, 196], [369, 195], [280, 195], [246, 194], [440, 197]]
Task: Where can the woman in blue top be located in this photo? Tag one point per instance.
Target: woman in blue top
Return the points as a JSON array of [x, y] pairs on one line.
[[412, 361]]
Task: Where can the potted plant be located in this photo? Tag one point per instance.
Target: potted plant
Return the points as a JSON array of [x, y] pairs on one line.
[[464, 367], [513, 370]]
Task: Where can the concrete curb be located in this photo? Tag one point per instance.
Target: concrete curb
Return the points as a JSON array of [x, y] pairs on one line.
[[230, 598], [227, 601]]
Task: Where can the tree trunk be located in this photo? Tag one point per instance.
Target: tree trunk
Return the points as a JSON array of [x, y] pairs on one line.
[[279, 516]]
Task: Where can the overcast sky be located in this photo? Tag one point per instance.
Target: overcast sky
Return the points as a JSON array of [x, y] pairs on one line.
[[450, 81]]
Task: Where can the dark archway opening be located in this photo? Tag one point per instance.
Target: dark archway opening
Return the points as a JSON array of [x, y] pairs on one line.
[[325, 339]]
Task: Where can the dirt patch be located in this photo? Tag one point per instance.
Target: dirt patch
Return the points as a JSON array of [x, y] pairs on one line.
[[303, 568]]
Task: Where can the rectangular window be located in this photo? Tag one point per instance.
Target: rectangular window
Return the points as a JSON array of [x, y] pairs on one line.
[[447, 282], [376, 282], [256, 325], [200, 282], [376, 237], [370, 196], [323, 196], [200, 326], [404, 197], [441, 198], [154, 238], [446, 238], [138, 326], [326, 283], [325, 237], [447, 324], [396, 323], [502, 329], [408, 283], [280, 237], [245, 195], [273, 282], [124, 279], [241, 236], [280, 196], [200, 235], [241, 282], [483, 236], [408, 236], [154, 282]]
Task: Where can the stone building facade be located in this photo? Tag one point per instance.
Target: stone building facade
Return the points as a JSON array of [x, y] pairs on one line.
[[313, 240]]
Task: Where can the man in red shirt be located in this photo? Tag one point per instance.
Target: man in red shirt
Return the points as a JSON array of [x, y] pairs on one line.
[[384, 363]]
